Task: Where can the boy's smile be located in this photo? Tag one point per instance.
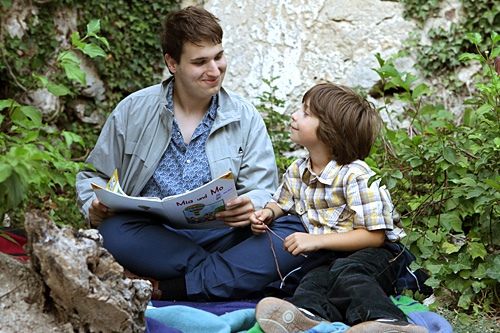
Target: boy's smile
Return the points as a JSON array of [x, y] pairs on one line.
[[304, 127]]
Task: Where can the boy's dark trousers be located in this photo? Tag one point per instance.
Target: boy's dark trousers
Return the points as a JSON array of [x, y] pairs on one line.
[[352, 288]]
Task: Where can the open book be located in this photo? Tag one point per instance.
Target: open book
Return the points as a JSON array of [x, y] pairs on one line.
[[192, 210]]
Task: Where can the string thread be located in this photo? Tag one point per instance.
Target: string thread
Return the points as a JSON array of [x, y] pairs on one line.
[[269, 231]]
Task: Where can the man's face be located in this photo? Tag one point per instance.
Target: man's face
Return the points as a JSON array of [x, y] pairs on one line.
[[201, 70]]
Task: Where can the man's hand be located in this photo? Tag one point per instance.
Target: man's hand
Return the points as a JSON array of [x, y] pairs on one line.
[[299, 242], [238, 212], [260, 219], [98, 213]]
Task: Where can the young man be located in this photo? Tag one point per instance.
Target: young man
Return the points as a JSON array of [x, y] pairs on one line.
[[351, 272], [174, 137]]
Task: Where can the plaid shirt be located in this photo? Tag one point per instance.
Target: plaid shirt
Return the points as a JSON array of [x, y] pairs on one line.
[[338, 200]]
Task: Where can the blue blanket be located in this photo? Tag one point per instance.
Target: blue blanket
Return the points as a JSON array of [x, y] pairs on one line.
[[239, 316], [217, 317]]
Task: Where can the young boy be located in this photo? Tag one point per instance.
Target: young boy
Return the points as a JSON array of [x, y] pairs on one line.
[[347, 220]]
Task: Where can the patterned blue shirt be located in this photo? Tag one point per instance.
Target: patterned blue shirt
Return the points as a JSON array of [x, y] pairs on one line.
[[183, 167]]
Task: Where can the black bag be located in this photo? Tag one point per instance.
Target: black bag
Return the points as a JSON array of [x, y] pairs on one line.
[[408, 279]]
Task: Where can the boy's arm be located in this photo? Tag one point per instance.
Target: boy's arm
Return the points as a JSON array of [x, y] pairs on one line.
[[353, 240]]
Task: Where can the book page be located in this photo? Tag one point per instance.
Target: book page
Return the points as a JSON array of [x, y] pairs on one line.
[[195, 209]]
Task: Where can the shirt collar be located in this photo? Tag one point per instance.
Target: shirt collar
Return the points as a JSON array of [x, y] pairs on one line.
[[326, 177]]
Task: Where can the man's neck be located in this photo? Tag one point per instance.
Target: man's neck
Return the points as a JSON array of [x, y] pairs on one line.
[[189, 112], [189, 106]]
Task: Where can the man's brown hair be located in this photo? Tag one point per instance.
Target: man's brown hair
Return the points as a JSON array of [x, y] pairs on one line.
[[191, 24], [348, 123]]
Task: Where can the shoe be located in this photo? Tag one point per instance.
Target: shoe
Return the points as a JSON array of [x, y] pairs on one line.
[[156, 295], [275, 315], [386, 326]]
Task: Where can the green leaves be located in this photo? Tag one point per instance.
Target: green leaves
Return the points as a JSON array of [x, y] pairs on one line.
[[93, 27], [470, 56], [35, 160], [69, 61], [493, 264], [476, 38], [93, 51], [74, 72], [444, 177], [277, 122]]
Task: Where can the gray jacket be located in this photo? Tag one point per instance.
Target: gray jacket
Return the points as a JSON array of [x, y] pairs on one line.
[[138, 132]]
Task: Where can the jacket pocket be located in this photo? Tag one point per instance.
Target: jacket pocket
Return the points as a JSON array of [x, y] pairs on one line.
[[226, 157]]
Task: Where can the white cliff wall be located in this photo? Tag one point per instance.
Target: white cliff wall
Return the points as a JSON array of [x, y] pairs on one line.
[[307, 42]]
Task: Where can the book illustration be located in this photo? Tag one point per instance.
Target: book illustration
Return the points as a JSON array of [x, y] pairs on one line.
[[200, 213], [114, 185]]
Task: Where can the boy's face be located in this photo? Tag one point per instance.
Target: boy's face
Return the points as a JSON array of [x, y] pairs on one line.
[[304, 127], [200, 72]]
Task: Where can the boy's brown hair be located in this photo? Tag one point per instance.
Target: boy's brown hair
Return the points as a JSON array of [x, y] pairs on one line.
[[191, 24], [348, 123]]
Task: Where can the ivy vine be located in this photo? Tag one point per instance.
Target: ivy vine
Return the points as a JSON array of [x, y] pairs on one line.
[[132, 60], [441, 56]]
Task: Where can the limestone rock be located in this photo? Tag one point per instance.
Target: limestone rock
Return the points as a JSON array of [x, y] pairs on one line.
[[21, 300], [71, 284]]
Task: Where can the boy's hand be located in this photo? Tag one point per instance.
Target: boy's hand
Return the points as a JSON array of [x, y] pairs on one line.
[[259, 220], [299, 242]]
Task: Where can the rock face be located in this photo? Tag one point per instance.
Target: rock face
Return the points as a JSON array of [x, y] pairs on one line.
[[301, 42], [73, 284], [308, 42]]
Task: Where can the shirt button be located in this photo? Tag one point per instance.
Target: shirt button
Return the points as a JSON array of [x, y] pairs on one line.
[[189, 161]]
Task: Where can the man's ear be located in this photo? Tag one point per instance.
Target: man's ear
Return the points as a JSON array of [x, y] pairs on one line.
[[171, 63]]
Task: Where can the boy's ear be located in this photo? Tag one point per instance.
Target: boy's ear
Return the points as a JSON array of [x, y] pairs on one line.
[[171, 63]]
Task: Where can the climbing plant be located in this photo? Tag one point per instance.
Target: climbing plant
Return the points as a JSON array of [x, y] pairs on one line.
[[132, 61], [135, 61], [440, 56], [445, 178], [277, 124], [36, 158]]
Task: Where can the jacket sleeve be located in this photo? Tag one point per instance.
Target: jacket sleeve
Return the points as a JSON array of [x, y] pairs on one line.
[[104, 158], [258, 176]]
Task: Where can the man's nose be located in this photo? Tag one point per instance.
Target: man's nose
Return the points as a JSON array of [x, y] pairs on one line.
[[213, 68]]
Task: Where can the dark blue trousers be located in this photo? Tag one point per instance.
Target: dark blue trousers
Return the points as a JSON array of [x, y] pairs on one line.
[[352, 288], [216, 263]]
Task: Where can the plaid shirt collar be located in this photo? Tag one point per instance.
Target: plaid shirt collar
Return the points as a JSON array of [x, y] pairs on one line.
[[326, 177]]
